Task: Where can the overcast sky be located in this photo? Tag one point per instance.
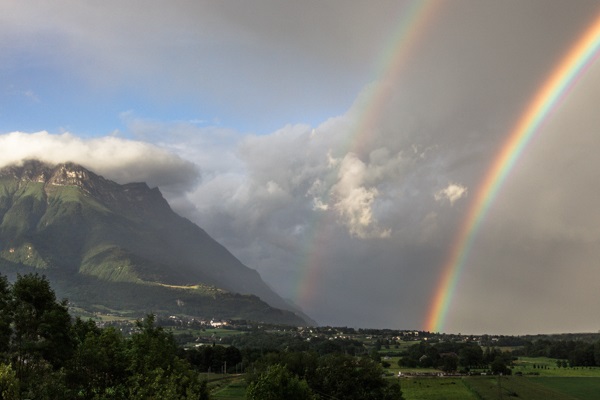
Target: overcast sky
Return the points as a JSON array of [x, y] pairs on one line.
[[285, 130]]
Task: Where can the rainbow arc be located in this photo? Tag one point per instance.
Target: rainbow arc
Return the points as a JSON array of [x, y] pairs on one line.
[[413, 19], [546, 100]]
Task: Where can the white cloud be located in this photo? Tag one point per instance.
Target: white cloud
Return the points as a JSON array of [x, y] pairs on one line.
[[353, 201], [452, 193], [117, 159]]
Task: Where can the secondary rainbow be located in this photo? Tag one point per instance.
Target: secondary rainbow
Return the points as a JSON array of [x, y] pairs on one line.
[[414, 17], [554, 89]]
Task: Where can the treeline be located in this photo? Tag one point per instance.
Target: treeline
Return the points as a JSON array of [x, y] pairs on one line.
[[306, 375], [274, 342], [44, 354], [452, 356], [577, 353], [287, 366]]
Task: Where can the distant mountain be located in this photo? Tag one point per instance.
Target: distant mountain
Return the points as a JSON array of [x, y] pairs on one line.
[[107, 246]]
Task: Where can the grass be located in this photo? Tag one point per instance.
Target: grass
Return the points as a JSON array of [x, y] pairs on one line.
[[525, 366], [436, 388], [220, 332], [579, 388], [228, 389], [394, 368], [553, 383], [233, 391], [493, 388], [470, 388], [199, 288]]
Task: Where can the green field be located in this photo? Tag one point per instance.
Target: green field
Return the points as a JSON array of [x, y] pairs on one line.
[[525, 366], [468, 388], [232, 390], [543, 388], [579, 388], [492, 388], [435, 388]]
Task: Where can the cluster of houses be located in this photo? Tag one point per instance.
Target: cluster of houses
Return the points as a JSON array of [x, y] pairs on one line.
[[385, 337]]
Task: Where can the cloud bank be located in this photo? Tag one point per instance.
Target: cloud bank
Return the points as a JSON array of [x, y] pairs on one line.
[[118, 159]]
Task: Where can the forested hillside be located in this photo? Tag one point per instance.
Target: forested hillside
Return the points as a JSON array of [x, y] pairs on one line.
[[116, 247]]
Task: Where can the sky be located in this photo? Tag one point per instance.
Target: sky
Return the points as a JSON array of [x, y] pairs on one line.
[[335, 147]]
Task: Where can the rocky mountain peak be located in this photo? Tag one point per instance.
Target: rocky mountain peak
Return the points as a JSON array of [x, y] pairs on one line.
[[29, 170], [38, 171], [71, 174]]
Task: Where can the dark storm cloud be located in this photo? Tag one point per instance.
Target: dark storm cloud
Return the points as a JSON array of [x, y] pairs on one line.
[[382, 216]]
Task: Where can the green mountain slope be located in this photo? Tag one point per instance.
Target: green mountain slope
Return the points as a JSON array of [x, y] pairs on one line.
[[121, 246]]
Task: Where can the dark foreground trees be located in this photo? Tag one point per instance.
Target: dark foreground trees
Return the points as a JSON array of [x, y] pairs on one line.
[[450, 357], [46, 355], [333, 376], [276, 383]]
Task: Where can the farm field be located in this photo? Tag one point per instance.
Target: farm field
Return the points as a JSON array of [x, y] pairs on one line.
[[228, 387], [435, 388], [493, 388], [394, 368], [525, 365], [579, 388], [468, 388], [233, 390]]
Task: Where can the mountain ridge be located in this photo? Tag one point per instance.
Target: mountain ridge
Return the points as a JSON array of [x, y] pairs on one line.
[[69, 222]]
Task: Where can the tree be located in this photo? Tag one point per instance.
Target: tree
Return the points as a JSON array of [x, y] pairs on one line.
[[393, 391], [100, 364], [155, 371], [178, 382], [498, 366], [470, 356], [232, 356], [449, 363], [41, 328], [278, 383], [47, 356], [9, 385], [375, 356], [6, 314], [346, 377], [151, 347], [582, 355]]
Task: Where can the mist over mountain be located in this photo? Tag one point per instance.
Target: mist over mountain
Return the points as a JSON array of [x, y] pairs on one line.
[[110, 246]]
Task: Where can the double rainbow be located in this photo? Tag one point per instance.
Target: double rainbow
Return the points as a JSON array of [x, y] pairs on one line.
[[554, 89]]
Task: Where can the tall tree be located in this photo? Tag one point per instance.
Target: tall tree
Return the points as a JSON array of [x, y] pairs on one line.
[[155, 370], [42, 326], [278, 383], [6, 314], [470, 356], [346, 377], [99, 366], [151, 347]]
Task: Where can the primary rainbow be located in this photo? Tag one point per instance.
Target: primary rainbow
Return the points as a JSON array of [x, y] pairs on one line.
[[554, 89], [414, 17]]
